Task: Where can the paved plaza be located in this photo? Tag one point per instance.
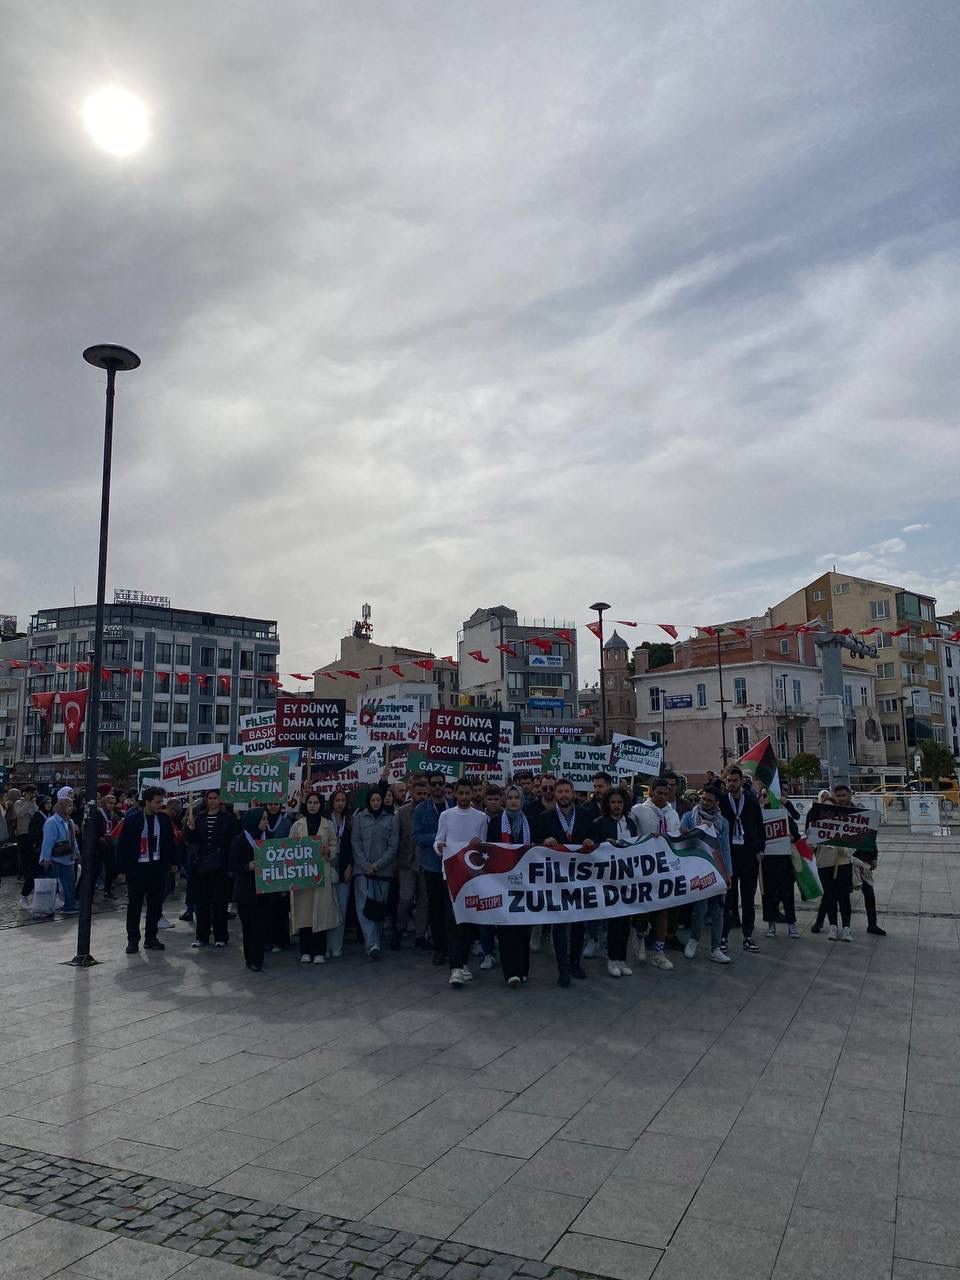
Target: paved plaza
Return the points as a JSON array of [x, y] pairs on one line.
[[795, 1114]]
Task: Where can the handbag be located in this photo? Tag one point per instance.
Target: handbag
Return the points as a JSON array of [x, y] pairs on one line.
[[62, 849], [44, 895], [375, 909]]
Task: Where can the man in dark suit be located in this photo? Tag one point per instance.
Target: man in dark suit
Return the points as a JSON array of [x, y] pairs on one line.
[[566, 824], [145, 852], [210, 835], [747, 843]]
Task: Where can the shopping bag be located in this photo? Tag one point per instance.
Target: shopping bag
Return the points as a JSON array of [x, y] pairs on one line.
[[44, 895]]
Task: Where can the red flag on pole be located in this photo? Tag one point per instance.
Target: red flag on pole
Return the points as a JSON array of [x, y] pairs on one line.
[[669, 628], [294, 675], [42, 702], [74, 707], [740, 632], [595, 628]]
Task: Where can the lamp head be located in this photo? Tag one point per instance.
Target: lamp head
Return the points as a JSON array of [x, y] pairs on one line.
[[599, 607], [105, 355]]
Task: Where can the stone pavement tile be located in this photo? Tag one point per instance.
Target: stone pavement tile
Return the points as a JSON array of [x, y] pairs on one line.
[[97, 1130], [870, 1185], [923, 1132], [768, 1107], [314, 1150], [131, 1260], [354, 1188], [418, 1141], [796, 1050], [720, 1251], [124, 1153], [466, 1103], [818, 1243], [692, 1112], [856, 1138], [604, 1257], [666, 1157], [271, 1185], [284, 1118], [519, 1220], [214, 1269], [927, 1068], [925, 1175], [513, 1133], [45, 1248], [210, 1159], [463, 1177], [425, 1217], [572, 1168], [765, 1148], [903, 1269], [937, 1099], [865, 1071], [876, 1107], [18, 1131], [635, 1211], [13, 1220], [608, 1126], [757, 1198], [928, 1231]]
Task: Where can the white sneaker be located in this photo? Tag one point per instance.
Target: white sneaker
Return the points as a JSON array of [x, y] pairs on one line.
[[589, 950], [513, 983], [25, 904], [719, 957], [319, 959], [833, 935], [613, 968], [690, 950], [846, 934], [456, 978], [275, 950], [220, 946], [465, 974], [335, 955], [196, 944], [660, 961], [487, 962], [639, 949], [771, 931], [793, 931], [625, 970], [476, 949], [164, 923], [306, 959]]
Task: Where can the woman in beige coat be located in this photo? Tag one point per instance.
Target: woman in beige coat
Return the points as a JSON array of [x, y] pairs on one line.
[[313, 911]]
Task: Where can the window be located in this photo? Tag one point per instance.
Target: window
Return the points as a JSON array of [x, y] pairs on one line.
[[115, 651], [907, 672], [137, 682], [885, 670], [864, 696], [161, 712], [740, 692], [654, 699], [164, 652], [819, 595], [701, 695], [930, 671], [841, 588], [655, 735], [847, 696], [205, 713], [206, 656], [950, 686], [799, 741], [743, 739], [246, 711], [223, 739], [887, 705], [179, 740], [159, 741], [936, 704], [135, 711], [183, 655], [948, 655], [246, 659], [225, 659], [266, 662], [783, 743], [264, 689], [246, 688], [891, 733], [785, 645], [515, 679], [882, 640], [181, 712], [938, 733], [797, 693], [138, 650], [223, 715], [926, 610], [204, 737], [879, 610]]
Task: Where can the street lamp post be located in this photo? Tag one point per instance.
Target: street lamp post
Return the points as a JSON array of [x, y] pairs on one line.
[[599, 609], [114, 360]]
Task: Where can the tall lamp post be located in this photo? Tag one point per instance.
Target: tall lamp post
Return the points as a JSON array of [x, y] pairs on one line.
[[600, 609], [114, 360]]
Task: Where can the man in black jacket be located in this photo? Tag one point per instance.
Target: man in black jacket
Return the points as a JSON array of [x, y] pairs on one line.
[[210, 834], [747, 843], [145, 852], [564, 824]]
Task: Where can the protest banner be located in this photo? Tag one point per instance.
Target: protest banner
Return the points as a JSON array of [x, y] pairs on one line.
[[386, 720], [500, 884], [256, 779], [311, 722], [329, 758], [258, 731], [636, 755], [472, 737], [420, 762], [579, 764], [364, 770], [853, 829], [287, 864], [777, 831], [530, 758], [151, 778], [193, 768]]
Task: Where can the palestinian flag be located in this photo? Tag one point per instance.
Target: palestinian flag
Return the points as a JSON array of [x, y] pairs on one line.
[[698, 843], [760, 762], [850, 828], [805, 870]]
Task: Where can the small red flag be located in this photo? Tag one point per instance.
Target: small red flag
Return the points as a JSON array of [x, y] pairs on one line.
[[622, 622], [294, 675], [564, 633], [539, 642], [669, 628], [595, 628], [509, 650], [354, 675], [224, 684], [396, 668], [74, 707], [42, 702], [425, 664], [477, 655]]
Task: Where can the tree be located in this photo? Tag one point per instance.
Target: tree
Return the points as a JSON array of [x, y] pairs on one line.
[[938, 761], [805, 767], [123, 759], [661, 655]]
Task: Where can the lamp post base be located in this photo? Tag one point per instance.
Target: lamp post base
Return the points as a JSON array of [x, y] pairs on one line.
[[81, 962]]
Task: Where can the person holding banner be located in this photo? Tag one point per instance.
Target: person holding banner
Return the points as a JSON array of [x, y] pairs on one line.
[[511, 826], [343, 860], [706, 815], [276, 909], [837, 861], [252, 908], [656, 816], [566, 824], [457, 828], [615, 823], [211, 835], [747, 843], [375, 837], [313, 911]]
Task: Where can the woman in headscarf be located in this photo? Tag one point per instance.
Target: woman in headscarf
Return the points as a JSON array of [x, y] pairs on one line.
[[375, 839], [252, 908], [343, 857], [512, 827], [313, 911], [615, 823]]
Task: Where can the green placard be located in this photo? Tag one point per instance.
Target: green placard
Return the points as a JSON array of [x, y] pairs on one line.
[[289, 864], [255, 779], [418, 762]]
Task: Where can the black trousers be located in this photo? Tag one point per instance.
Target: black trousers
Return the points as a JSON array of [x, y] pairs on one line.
[[837, 883], [514, 950], [27, 863], [618, 935], [276, 919], [438, 900], [254, 917], [568, 945], [778, 889], [743, 883], [145, 883], [312, 944], [869, 904], [211, 899], [106, 861], [457, 936]]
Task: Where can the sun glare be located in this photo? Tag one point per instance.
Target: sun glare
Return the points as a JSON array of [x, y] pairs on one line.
[[116, 120]]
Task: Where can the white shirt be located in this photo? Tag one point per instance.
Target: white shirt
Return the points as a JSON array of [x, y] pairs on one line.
[[652, 821], [457, 827]]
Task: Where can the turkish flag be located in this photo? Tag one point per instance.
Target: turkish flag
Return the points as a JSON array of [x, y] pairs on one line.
[[565, 634], [396, 668], [42, 702], [509, 650], [669, 628], [225, 683], [477, 655], [74, 708], [541, 643], [425, 663], [489, 859], [595, 628]]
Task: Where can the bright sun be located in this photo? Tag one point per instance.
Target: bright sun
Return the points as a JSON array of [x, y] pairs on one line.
[[116, 120]]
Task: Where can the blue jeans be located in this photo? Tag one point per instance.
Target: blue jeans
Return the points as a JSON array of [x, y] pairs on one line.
[[365, 887], [708, 909], [64, 872], [335, 936]]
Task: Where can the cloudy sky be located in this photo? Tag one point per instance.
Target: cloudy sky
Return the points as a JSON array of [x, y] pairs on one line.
[[444, 305]]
